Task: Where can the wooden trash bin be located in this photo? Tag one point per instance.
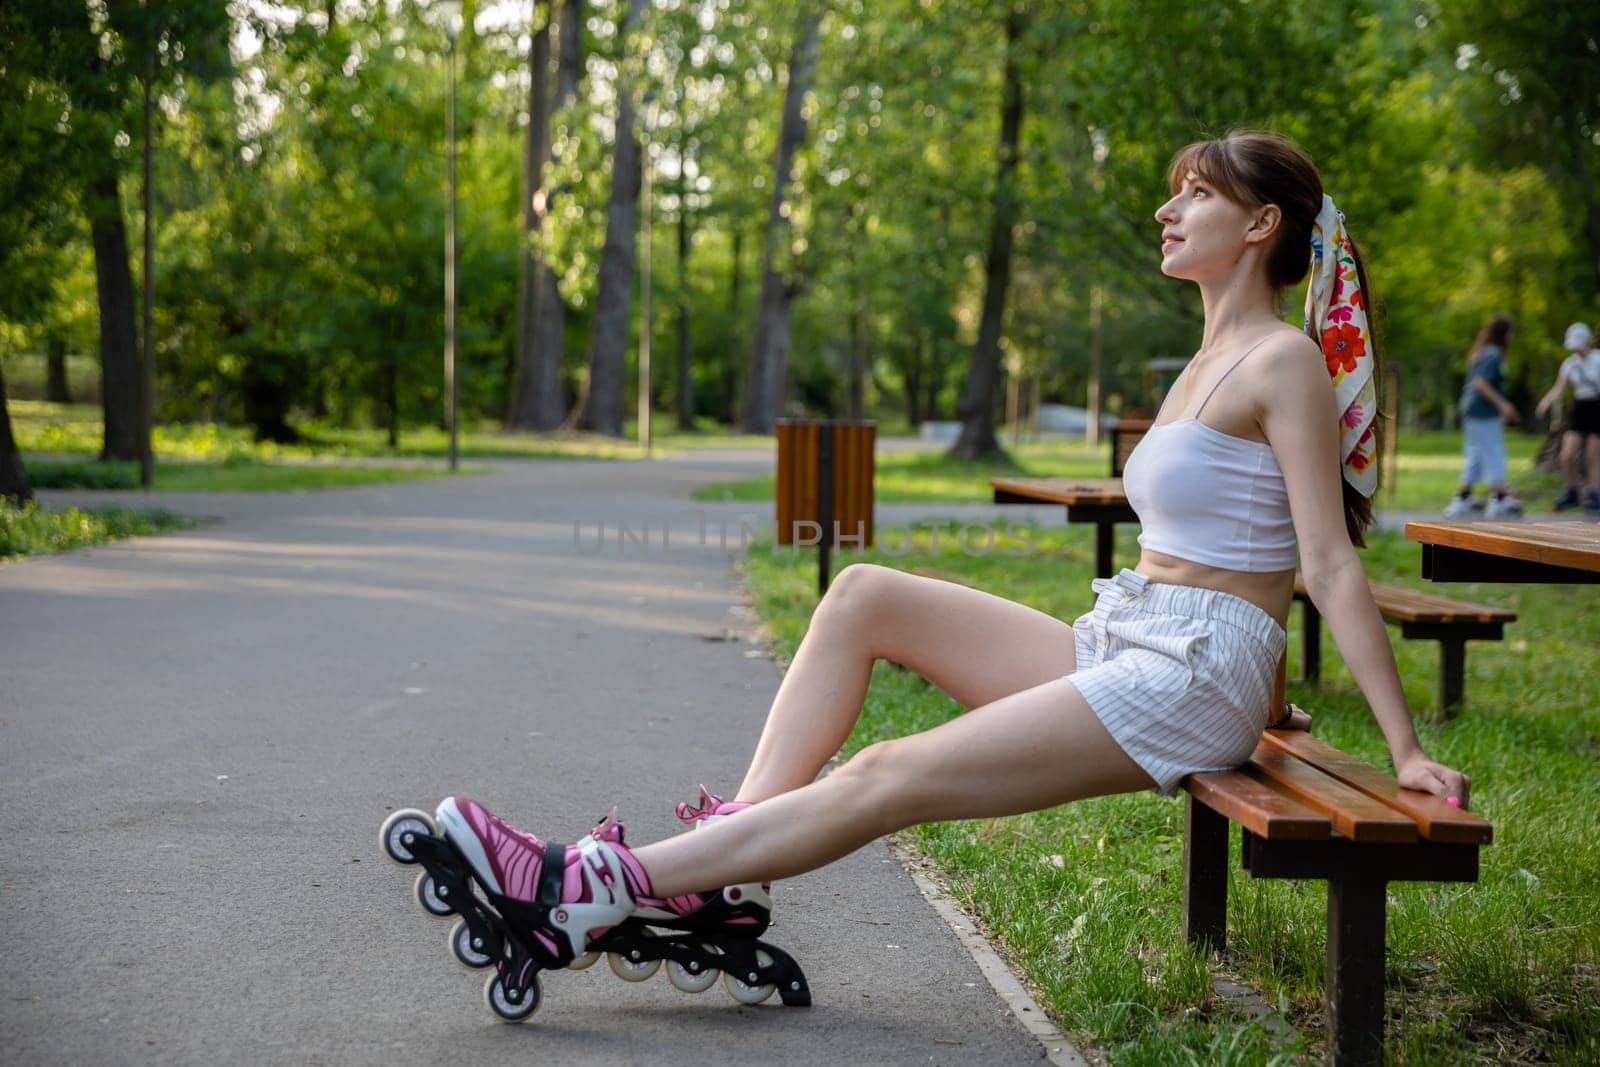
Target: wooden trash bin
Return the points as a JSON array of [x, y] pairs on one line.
[[824, 485], [1126, 434]]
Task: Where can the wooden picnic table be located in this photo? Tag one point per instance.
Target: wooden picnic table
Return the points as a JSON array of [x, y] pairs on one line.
[[1100, 501], [1559, 553]]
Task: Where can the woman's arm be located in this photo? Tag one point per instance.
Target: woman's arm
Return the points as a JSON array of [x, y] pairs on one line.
[[1302, 426], [1553, 395], [1508, 411]]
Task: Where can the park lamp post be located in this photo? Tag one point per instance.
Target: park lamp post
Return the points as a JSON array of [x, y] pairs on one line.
[[450, 14]]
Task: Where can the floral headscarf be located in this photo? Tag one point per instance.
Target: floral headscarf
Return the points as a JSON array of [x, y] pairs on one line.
[[1337, 309]]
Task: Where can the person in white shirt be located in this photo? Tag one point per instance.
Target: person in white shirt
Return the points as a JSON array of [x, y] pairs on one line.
[[1580, 444]]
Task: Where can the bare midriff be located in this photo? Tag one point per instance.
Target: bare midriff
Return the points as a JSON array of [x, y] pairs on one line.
[[1270, 591]]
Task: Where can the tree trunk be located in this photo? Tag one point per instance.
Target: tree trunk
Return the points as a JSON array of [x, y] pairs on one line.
[[912, 375], [524, 406], [764, 381], [56, 390], [551, 316], [685, 350], [730, 365], [120, 372], [608, 331], [1591, 206], [14, 484], [977, 405]]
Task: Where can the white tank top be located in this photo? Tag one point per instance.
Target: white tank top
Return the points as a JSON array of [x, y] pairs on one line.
[[1210, 497]]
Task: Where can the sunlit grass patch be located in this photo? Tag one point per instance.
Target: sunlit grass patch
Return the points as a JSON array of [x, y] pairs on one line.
[[237, 474], [76, 428], [31, 530]]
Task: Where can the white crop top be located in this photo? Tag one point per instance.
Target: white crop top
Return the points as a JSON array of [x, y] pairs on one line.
[[1210, 497]]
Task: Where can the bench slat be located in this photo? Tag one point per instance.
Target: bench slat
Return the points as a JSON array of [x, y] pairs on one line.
[[1258, 806], [1408, 605], [1436, 820], [1353, 813]]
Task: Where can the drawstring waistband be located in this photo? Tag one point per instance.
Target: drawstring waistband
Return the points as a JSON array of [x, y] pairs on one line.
[[1194, 602]]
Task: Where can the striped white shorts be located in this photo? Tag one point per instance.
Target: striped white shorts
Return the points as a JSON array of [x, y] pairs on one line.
[[1181, 677]]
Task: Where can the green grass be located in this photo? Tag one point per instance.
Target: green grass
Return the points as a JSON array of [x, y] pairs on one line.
[[1429, 467], [31, 530], [238, 474], [1084, 898], [76, 428]]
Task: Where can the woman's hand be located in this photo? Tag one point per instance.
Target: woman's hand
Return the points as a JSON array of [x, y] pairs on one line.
[[1420, 772]]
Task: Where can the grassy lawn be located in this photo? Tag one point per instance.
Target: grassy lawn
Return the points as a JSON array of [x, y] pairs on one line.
[[237, 474], [1429, 465], [76, 428], [1084, 899], [32, 530]]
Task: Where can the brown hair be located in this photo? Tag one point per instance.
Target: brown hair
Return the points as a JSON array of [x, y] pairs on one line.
[[1497, 332], [1255, 168]]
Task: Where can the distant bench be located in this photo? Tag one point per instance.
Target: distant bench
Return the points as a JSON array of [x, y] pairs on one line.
[[1424, 616], [1308, 810]]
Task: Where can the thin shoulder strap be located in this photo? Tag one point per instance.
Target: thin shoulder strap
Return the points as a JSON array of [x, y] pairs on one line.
[[1225, 374]]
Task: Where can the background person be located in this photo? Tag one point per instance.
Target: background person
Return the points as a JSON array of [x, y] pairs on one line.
[[1484, 413], [1580, 443]]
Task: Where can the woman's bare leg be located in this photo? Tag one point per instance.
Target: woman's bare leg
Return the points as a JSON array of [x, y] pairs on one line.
[[975, 646], [1571, 450], [1592, 448], [1029, 750]]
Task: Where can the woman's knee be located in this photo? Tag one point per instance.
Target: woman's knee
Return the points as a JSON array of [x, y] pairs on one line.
[[855, 592], [882, 778]]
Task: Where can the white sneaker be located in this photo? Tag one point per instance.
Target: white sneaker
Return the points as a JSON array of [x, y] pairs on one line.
[[1462, 507], [1505, 507]]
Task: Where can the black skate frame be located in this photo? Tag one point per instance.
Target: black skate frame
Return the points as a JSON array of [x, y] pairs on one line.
[[695, 942]]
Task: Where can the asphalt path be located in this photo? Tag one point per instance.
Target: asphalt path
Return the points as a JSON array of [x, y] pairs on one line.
[[201, 732]]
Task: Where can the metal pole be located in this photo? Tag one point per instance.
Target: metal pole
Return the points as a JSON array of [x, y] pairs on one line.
[[1091, 434], [824, 503], [450, 263]]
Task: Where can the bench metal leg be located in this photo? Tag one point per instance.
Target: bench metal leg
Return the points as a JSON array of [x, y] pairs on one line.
[[1205, 875], [1452, 675], [1310, 642], [1105, 539], [1354, 979]]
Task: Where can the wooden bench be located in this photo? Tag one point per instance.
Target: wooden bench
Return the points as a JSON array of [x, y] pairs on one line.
[[1452, 623], [1309, 811]]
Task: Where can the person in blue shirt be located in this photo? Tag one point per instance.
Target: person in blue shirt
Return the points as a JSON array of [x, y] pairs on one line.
[[1484, 412]]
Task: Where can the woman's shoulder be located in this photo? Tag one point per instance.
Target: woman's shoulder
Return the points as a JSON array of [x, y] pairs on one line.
[[1290, 351]]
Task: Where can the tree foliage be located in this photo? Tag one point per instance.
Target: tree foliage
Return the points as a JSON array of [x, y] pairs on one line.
[[300, 189]]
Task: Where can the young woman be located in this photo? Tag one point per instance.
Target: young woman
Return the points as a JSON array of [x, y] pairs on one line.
[[1580, 442], [1263, 455], [1484, 413]]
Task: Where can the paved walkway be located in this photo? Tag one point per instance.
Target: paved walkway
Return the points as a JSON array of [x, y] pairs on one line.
[[200, 733]]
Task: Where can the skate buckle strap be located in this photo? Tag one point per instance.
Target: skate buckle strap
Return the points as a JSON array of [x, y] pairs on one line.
[[552, 873], [709, 803]]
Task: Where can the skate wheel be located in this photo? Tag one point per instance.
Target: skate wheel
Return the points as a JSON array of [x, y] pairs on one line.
[[690, 981], [392, 834], [464, 950], [430, 897], [584, 962], [632, 970], [511, 1006], [745, 993]]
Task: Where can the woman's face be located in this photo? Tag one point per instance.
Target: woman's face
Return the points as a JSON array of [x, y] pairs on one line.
[[1203, 233]]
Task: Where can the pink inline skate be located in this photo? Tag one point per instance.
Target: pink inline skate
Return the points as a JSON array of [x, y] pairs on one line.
[[521, 912]]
